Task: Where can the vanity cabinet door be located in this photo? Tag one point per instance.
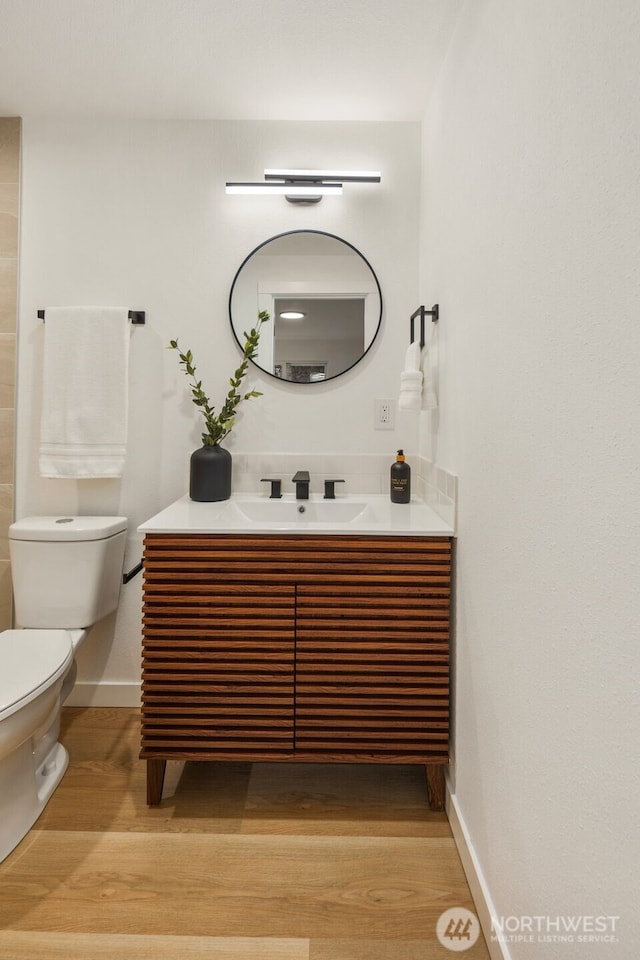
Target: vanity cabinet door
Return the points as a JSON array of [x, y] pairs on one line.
[[372, 652], [218, 651]]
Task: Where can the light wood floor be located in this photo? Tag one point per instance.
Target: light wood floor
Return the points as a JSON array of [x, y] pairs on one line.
[[240, 861]]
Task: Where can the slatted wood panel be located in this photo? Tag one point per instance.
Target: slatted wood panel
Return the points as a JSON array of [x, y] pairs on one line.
[[218, 649], [296, 647], [372, 656]]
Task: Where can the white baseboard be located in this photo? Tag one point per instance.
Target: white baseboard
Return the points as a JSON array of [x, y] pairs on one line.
[[104, 695], [475, 877]]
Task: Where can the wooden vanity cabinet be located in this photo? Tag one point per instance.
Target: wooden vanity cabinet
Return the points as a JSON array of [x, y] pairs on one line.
[[298, 648]]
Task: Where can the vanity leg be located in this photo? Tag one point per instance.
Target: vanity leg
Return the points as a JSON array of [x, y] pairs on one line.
[[435, 785], [155, 780]]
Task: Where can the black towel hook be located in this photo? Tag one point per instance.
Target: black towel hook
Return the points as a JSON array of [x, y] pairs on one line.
[[434, 313]]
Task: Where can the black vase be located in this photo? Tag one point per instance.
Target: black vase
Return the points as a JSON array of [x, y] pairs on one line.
[[210, 474]]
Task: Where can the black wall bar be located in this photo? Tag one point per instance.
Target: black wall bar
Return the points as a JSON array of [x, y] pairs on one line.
[[130, 574], [434, 313], [136, 316]]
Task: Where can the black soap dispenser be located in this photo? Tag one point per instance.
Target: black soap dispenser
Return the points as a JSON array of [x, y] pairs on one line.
[[400, 480]]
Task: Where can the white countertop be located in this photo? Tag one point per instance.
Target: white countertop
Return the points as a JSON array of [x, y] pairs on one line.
[[252, 513]]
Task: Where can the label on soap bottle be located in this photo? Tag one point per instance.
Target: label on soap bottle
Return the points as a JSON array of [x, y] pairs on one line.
[[399, 484]]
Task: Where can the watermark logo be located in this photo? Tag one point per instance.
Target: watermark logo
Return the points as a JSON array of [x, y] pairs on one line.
[[554, 929], [457, 929]]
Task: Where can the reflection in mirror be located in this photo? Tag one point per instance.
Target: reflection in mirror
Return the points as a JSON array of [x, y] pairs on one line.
[[333, 327], [324, 300]]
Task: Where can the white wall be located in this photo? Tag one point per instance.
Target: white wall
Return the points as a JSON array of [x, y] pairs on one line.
[[530, 241], [135, 214]]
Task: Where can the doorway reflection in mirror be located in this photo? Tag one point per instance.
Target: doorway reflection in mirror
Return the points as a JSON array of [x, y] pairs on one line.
[[327, 328]]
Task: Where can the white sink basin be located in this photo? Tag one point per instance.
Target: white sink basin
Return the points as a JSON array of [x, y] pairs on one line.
[[301, 511], [255, 514]]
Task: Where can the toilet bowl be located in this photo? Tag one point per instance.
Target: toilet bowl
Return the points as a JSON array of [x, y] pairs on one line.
[[66, 576], [34, 664]]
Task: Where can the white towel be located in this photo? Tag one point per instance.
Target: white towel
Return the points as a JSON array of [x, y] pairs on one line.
[[430, 399], [85, 392], [413, 357], [414, 383], [410, 397]]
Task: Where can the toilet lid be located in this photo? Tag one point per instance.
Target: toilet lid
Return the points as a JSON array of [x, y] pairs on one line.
[[31, 661]]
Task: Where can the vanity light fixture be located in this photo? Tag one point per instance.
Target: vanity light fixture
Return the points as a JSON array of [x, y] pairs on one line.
[[325, 176], [292, 315], [294, 192], [304, 186]]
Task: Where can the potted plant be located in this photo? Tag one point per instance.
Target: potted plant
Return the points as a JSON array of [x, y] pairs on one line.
[[210, 467]]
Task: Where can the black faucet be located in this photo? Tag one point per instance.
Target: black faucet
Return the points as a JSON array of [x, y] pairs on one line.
[[276, 488], [330, 489], [301, 480]]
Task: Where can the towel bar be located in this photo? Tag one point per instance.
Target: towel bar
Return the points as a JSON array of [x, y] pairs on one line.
[[130, 574], [434, 313], [136, 316]]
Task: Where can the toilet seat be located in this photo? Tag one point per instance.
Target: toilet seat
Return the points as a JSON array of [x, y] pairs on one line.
[[31, 661]]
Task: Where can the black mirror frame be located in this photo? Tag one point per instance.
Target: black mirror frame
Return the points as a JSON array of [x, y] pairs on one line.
[[322, 233]]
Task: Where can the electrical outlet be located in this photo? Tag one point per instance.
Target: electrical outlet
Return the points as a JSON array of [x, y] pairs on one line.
[[384, 414]]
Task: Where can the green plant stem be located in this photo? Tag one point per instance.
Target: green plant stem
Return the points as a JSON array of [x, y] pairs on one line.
[[219, 425]]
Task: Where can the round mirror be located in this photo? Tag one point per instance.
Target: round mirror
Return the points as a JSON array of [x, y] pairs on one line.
[[323, 298]]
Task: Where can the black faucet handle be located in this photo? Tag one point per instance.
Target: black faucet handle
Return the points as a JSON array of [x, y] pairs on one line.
[[276, 488], [330, 489]]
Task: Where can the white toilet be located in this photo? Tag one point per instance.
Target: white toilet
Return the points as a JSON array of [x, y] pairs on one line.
[[66, 573]]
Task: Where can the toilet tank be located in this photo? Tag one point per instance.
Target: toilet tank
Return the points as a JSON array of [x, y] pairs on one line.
[[66, 571]]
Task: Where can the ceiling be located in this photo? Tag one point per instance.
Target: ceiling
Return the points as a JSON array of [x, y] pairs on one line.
[[222, 59]]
